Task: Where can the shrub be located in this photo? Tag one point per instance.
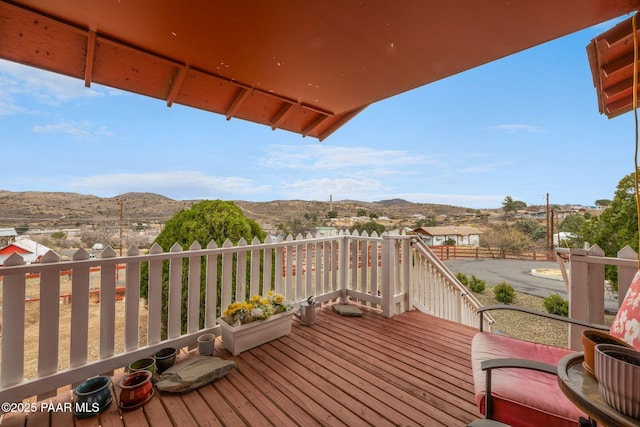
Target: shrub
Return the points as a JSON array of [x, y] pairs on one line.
[[477, 285], [504, 293], [462, 278], [555, 304]]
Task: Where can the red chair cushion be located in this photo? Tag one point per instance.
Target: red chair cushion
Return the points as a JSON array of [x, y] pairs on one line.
[[626, 325], [521, 397]]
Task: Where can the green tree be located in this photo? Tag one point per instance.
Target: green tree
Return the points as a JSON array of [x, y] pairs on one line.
[[573, 224], [505, 239], [369, 227], [617, 225], [510, 207], [603, 202], [206, 221], [532, 228]]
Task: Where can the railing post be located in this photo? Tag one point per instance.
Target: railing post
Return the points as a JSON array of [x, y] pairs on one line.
[[405, 272], [132, 302], [388, 274], [586, 292], [625, 274], [343, 267], [13, 315]]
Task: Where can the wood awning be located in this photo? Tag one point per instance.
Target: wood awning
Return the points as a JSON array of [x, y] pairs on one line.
[[306, 67], [611, 60]]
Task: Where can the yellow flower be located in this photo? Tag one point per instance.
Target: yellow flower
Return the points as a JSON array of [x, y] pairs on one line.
[[278, 299]]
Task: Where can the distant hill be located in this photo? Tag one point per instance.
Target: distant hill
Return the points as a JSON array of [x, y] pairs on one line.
[[36, 208], [394, 202]]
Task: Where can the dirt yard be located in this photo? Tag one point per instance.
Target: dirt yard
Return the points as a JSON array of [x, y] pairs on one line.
[[32, 328]]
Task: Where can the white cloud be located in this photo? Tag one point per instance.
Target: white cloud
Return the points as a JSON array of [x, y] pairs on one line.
[[328, 157], [42, 86], [340, 188], [489, 167], [512, 128], [174, 184], [79, 130]]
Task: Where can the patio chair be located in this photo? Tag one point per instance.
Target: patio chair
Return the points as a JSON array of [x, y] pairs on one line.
[[514, 380]]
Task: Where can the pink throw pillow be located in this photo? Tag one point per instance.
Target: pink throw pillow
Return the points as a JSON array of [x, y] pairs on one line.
[[626, 325]]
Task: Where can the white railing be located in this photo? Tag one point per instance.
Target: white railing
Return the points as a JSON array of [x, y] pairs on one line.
[[437, 291], [387, 273], [585, 283]]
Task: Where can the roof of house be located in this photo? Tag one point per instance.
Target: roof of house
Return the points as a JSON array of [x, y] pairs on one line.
[[611, 60], [29, 246], [8, 232], [303, 66], [448, 231]]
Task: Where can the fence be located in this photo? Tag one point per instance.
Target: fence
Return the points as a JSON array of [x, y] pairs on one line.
[[188, 289], [447, 253]]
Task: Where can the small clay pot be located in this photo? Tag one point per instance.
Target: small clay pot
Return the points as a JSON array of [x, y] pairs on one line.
[[136, 389], [146, 364], [206, 344], [590, 338], [165, 359], [92, 397]]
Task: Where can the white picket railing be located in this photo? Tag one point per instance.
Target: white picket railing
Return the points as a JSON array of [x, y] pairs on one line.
[[438, 292], [386, 273]]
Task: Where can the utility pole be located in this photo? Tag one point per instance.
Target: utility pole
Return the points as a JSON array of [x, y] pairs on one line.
[[121, 210], [549, 231]]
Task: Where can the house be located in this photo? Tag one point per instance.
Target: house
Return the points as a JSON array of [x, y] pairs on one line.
[[29, 250], [326, 231], [7, 235], [438, 236]]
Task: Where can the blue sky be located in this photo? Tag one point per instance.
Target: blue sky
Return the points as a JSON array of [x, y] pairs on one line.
[[522, 126]]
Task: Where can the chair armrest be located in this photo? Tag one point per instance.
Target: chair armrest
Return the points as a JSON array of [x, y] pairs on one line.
[[541, 314], [489, 365], [509, 362]]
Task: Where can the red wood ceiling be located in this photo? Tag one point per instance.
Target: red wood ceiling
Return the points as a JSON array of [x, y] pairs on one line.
[[302, 66]]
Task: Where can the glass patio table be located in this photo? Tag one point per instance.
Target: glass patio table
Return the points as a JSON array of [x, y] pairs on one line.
[[582, 389]]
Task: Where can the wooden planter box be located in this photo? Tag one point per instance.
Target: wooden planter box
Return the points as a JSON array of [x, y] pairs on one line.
[[240, 338]]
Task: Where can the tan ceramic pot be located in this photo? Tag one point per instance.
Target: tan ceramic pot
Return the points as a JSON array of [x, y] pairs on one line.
[[618, 372]]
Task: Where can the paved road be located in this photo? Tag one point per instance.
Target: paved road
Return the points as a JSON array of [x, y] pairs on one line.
[[515, 272], [518, 274]]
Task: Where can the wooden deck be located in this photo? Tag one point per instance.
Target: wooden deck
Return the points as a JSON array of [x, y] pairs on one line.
[[410, 370]]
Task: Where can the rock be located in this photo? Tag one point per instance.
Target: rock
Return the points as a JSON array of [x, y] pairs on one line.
[[193, 373]]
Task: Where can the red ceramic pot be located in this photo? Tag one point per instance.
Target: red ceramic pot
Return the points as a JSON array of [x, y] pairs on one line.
[[136, 389]]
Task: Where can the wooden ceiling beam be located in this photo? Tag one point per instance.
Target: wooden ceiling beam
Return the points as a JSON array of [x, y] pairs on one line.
[[91, 52], [281, 115], [241, 96], [175, 85], [314, 124]]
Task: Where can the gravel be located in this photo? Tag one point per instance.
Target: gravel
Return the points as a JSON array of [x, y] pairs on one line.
[[530, 293]]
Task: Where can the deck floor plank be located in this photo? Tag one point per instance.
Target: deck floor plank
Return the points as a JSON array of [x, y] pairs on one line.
[[248, 386], [39, 419], [223, 411], [362, 385], [396, 367], [154, 412], [390, 366], [411, 370], [199, 409]]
